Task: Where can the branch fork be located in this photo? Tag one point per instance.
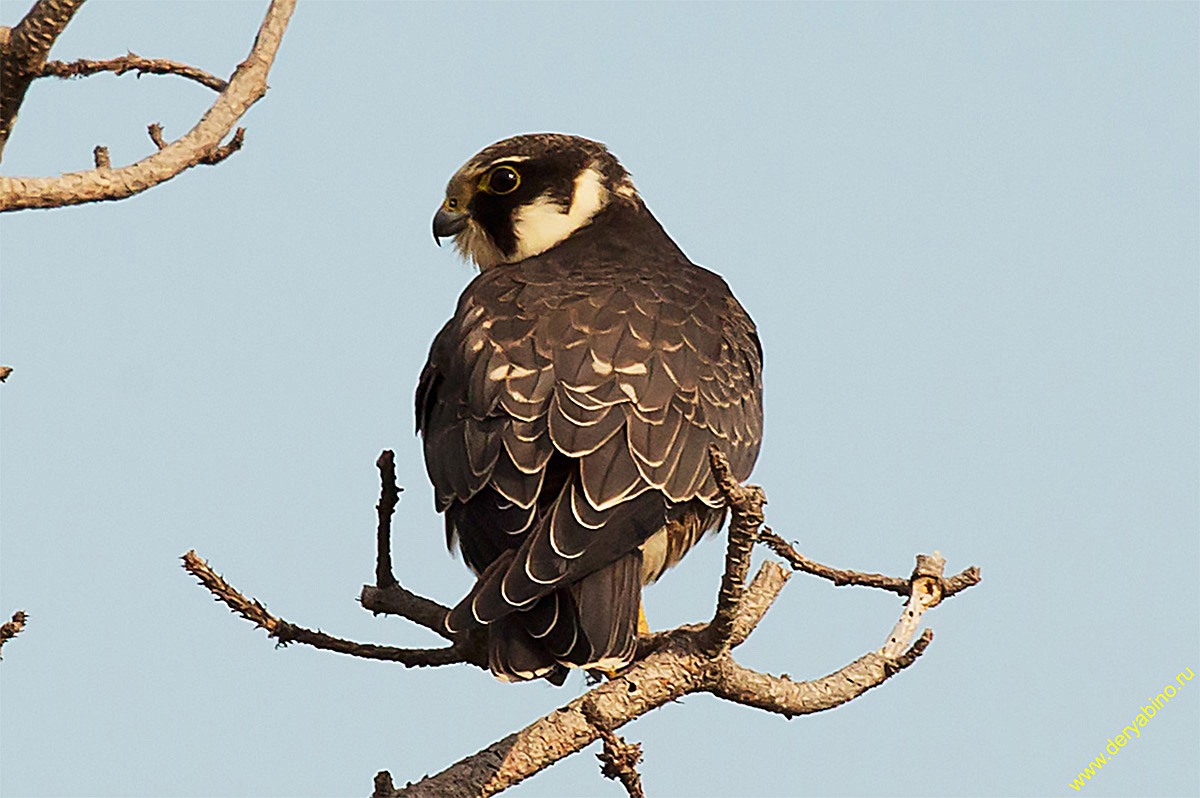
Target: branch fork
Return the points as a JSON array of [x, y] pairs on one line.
[[23, 58]]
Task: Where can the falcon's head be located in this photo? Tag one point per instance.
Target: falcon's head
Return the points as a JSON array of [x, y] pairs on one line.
[[523, 195]]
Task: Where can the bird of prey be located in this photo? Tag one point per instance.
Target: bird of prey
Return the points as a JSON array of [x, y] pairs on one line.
[[568, 406]]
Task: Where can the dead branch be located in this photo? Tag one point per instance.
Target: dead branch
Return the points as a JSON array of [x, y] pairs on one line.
[[155, 131], [781, 695], [388, 497], [841, 577], [286, 632], [23, 51], [219, 153], [619, 761], [745, 505], [10, 629], [925, 594], [131, 62], [200, 145], [383, 785], [671, 664], [387, 597], [696, 658]]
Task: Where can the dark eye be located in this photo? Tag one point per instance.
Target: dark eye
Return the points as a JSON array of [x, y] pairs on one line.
[[503, 180]]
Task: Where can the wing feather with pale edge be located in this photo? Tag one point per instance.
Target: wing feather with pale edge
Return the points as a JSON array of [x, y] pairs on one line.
[[629, 372]]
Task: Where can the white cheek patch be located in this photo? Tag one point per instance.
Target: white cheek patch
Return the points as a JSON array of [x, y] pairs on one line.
[[544, 222]]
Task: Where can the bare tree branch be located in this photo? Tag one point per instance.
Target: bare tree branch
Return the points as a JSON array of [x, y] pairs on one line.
[[619, 761], [285, 632], [200, 145], [23, 51], [383, 785], [388, 496], [841, 577], [155, 131], [131, 62], [395, 600], [681, 665], [745, 503], [219, 153], [781, 695], [925, 593], [673, 664], [10, 629], [690, 659]]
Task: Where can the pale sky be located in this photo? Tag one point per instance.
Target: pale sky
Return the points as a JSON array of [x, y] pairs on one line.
[[968, 236]]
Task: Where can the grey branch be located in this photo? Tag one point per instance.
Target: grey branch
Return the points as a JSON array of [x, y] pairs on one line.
[[200, 145]]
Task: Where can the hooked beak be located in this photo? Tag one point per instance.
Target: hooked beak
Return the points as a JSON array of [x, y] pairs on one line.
[[447, 223]]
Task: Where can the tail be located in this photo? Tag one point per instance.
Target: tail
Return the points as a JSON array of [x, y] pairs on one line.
[[591, 624]]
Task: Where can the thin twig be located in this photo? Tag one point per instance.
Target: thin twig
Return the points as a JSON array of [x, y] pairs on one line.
[[619, 760], [155, 131], [222, 151], [389, 494], [10, 629], [285, 632], [842, 577], [127, 63]]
